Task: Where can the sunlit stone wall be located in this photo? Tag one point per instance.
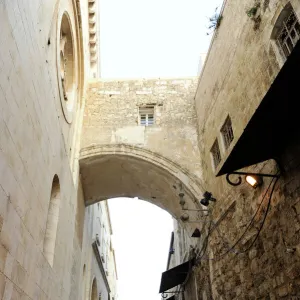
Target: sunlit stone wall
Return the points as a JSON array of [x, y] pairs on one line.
[[35, 144], [242, 63], [112, 117]]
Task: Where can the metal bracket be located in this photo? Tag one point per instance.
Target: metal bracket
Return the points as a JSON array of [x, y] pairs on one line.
[[239, 180], [196, 209], [166, 294]]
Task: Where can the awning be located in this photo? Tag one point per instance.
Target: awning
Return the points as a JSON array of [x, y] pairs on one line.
[[274, 124], [175, 276]]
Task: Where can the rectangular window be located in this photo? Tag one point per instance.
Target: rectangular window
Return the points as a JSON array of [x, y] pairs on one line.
[[215, 153], [227, 132], [146, 115]]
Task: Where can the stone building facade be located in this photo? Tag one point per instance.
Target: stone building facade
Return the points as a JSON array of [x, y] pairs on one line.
[[68, 141], [245, 58], [99, 255]]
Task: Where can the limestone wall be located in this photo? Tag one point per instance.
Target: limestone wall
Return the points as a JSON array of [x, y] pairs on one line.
[[240, 67], [35, 144], [112, 111]]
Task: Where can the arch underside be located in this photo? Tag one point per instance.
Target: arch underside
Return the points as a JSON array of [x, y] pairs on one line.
[[118, 174]]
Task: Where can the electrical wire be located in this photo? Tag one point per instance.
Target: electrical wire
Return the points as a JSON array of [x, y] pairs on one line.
[[232, 248], [251, 221]]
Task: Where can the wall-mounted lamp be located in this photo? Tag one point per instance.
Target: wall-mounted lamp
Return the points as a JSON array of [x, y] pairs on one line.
[[181, 201], [253, 179], [184, 217], [207, 197]]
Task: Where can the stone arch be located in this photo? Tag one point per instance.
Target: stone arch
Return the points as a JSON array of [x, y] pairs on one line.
[[52, 221], [94, 292], [111, 171]]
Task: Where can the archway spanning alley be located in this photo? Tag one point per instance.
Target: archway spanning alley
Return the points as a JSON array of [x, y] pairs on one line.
[[118, 175], [129, 174]]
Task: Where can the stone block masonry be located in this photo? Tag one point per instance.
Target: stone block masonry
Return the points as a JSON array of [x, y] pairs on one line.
[[112, 117], [241, 66]]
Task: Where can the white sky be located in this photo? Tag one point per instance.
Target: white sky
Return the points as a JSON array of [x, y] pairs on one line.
[[142, 39], [153, 38], [141, 238]]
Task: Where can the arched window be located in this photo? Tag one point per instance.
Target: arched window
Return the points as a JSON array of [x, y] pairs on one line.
[[94, 294], [52, 221], [286, 32], [83, 282]]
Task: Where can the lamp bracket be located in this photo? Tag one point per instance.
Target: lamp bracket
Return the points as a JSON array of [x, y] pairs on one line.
[[195, 209], [239, 180], [166, 294], [194, 221]]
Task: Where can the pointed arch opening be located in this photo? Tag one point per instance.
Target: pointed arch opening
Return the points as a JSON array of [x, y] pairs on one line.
[[83, 282], [52, 221], [94, 293]]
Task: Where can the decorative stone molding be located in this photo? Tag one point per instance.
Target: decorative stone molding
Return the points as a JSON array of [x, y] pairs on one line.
[[67, 74], [191, 184], [93, 34]]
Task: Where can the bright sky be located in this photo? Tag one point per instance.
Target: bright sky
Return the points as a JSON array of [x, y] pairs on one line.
[[153, 38], [142, 39], [141, 238]]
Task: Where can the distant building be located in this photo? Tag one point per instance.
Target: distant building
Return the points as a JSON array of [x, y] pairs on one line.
[[103, 267], [201, 62]]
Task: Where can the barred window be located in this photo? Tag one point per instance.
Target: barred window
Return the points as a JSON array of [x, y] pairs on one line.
[[215, 154], [227, 132], [289, 32], [146, 115]]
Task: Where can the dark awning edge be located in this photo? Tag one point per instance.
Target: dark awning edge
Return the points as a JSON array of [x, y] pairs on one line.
[[175, 276], [171, 298], [273, 124]]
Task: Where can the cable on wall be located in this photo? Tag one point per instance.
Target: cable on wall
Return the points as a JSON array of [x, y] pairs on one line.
[[232, 248]]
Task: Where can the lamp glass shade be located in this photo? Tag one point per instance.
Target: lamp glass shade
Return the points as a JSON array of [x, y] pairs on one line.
[[254, 180]]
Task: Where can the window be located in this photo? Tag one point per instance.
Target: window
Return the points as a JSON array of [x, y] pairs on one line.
[[215, 153], [94, 293], [227, 132], [146, 115], [83, 283], [287, 30], [52, 221]]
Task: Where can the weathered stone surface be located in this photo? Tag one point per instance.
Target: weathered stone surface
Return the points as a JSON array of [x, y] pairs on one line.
[[119, 157], [240, 67]]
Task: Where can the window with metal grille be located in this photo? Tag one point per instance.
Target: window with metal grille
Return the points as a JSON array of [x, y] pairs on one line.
[[227, 132], [146, 115], [215, 153], [289, 33]]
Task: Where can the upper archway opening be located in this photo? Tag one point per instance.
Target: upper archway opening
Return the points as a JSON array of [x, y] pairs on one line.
[[112, 175]]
